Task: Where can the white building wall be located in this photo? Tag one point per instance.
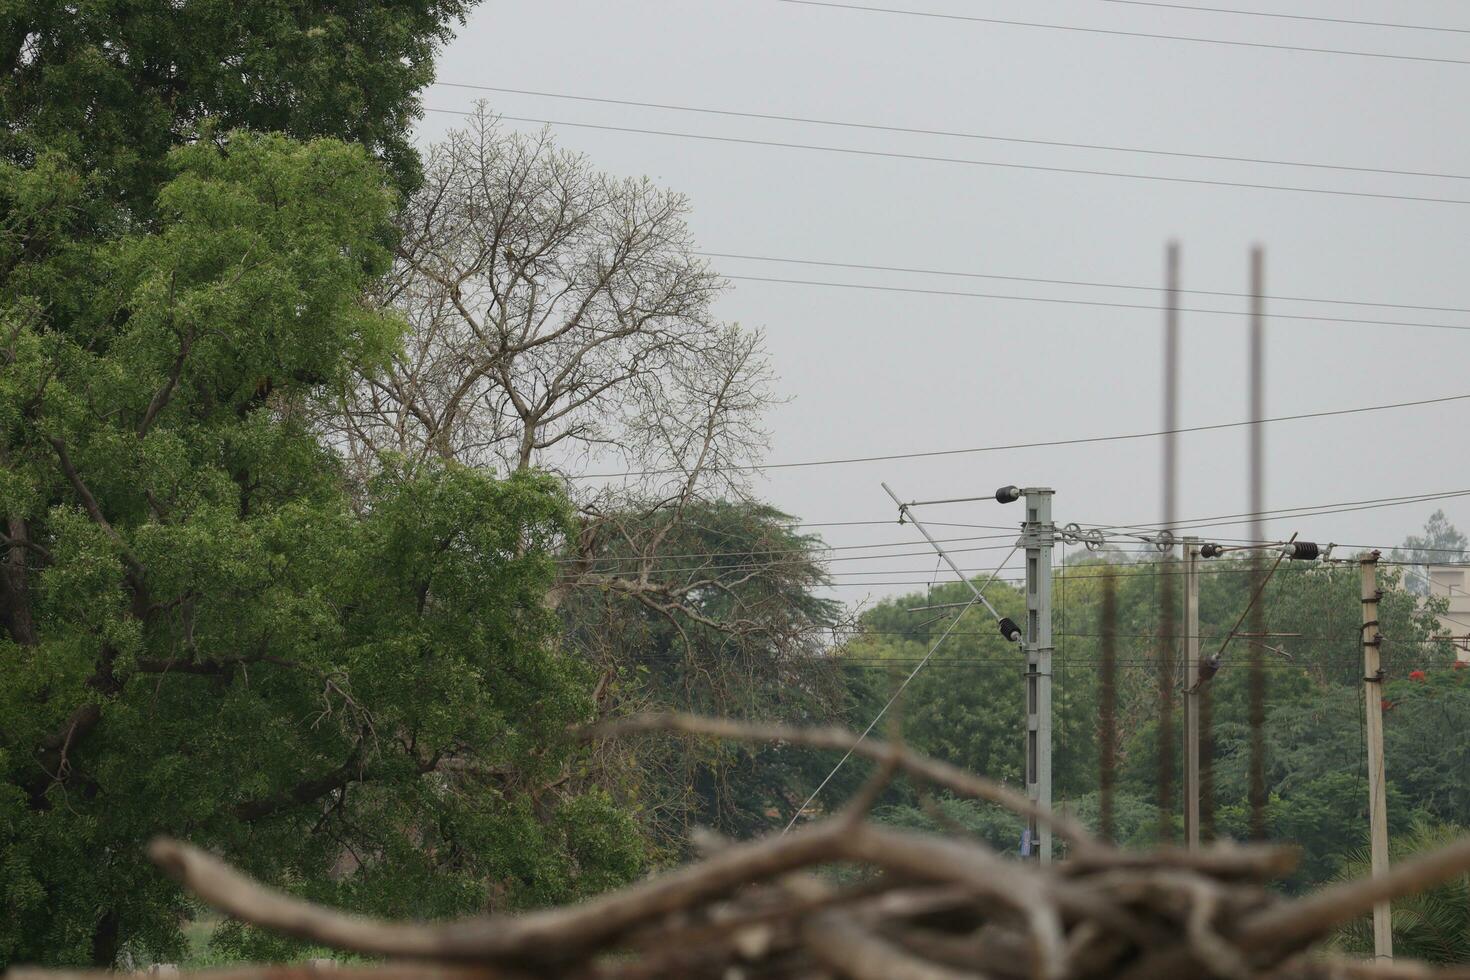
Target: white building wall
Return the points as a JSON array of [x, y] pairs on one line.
[[1449, 582]]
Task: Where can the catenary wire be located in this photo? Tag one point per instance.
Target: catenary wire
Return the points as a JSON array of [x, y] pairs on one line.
[[1115, 32], [801, 556], [1287, 512], [881, 712], [979, 596], [787, 551]]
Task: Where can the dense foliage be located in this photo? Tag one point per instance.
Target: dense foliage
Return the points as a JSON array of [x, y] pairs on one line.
[[358, 696], [966, 706], [207, 640], [1433, 925], [102, 92], [742, 635]]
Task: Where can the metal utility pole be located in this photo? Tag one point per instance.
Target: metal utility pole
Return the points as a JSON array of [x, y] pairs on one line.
[[1038, 536], [1191, 694], [1377, 783]]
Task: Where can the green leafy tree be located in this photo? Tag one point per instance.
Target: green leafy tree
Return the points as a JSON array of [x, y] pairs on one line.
[[966, 704], [731, 627], [357, 696], [1424, 757], [206, 640], [104, 92]]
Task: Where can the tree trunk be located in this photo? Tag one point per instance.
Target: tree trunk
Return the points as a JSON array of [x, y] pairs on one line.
[[106, 941], [15, 593]]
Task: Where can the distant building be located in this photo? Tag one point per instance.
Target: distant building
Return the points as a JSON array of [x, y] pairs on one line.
[[1448, 582]]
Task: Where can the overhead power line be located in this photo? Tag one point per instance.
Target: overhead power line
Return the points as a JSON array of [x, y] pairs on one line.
[[814, 549], [1073, 282], [967, 161], [948, 133], [1286, 513], [1083, 440], [979, 596], [1264, 13], [1114, 32], [1121, 536], [1106, 304]]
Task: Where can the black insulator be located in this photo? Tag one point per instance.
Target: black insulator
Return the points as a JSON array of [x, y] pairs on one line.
[[1010, 630], [1008, 495], [1305, 550], [1210, 551]]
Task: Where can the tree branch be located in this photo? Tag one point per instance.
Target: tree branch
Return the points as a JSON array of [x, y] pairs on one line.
[[94, 511]]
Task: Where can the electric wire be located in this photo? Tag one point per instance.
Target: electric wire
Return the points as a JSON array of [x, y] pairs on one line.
[[1103, 304], [881, 712], [1124, 33], [1347, 506], [1042, 444], [1071, 282], [979, 596], [786, 551], [968, 161], [948, 133], [1264, 13], [805, 558]]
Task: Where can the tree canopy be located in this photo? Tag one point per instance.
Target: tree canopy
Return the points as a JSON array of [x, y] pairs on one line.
[[207, 631]]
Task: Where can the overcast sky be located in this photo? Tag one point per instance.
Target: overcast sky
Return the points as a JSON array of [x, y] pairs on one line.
[[870, 372]]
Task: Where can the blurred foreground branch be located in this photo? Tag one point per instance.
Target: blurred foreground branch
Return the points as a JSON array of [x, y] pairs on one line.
[[928, 907]]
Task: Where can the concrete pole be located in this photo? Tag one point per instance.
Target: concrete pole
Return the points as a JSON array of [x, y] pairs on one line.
[[1191, 694], [1377, 782], [1039, 535]]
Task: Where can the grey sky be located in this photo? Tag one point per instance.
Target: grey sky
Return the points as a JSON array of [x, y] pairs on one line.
[[877, 372]]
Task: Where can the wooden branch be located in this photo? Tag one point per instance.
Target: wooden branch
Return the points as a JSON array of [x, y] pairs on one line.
[[1298, 922], [303, 792], [1224, 859], [161, 397], [93, 509], [549, 936], [25, 542], [233, 893], [297, 971], [1342, 968], [840, 942], [987, 875], [1292, 926], [931, 908]]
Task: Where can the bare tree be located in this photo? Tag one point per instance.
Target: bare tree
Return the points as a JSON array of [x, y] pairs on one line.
[[557, 315], [560, 319]]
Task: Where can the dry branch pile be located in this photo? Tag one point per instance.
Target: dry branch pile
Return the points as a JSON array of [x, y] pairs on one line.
[[933, 907]]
